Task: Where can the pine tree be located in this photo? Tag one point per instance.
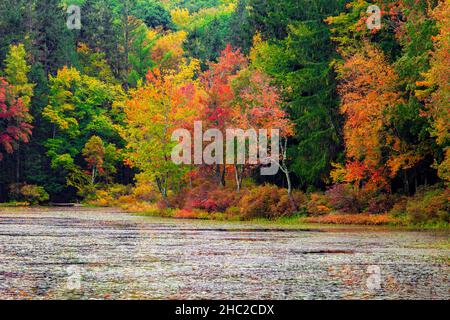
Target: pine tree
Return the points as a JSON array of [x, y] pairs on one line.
[[52, 43]]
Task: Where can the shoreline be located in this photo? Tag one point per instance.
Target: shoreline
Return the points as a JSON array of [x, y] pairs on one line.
[[288, 223]]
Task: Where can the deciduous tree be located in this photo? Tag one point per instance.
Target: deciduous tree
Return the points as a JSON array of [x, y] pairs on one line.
[[368, 95], [166, 102], [15, 120]]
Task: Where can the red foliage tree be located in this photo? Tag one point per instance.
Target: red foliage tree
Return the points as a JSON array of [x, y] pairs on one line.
[[218, 86], [216, 81], [15, 120]]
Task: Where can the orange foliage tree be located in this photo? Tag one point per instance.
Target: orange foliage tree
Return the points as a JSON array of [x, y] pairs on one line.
[[163, 104], [368, 94], [258, 105]]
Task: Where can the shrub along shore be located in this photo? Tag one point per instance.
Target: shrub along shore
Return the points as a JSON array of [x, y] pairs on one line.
[[341, 204]]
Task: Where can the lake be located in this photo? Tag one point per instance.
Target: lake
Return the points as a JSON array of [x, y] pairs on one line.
[[84, 253]]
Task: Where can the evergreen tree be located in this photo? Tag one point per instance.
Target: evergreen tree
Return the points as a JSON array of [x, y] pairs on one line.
[[52, 44]]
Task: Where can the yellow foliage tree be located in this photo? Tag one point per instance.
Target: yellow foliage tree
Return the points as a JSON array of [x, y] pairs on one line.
[[437, 83]]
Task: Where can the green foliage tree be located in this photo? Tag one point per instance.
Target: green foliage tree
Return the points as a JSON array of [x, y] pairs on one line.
[[301, 64], [207, 41], [349, 27], [192, 5], [101, 31], [52, 44], [153, 14], [271, 18], [79, 107], [13, 15], [139, 56]]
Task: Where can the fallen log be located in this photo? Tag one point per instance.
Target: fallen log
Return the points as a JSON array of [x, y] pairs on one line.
[[65, 204]]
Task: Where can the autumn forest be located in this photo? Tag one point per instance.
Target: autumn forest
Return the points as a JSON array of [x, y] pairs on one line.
[[360, 98]]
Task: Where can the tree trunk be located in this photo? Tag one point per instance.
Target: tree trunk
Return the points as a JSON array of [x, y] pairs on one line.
[[406, 182], [289, 184], [126, 43], [93, 175], [285, 169], [239, 175], [18, 164], [218, 174], [236, 175], [223, 175], [162, 190]]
